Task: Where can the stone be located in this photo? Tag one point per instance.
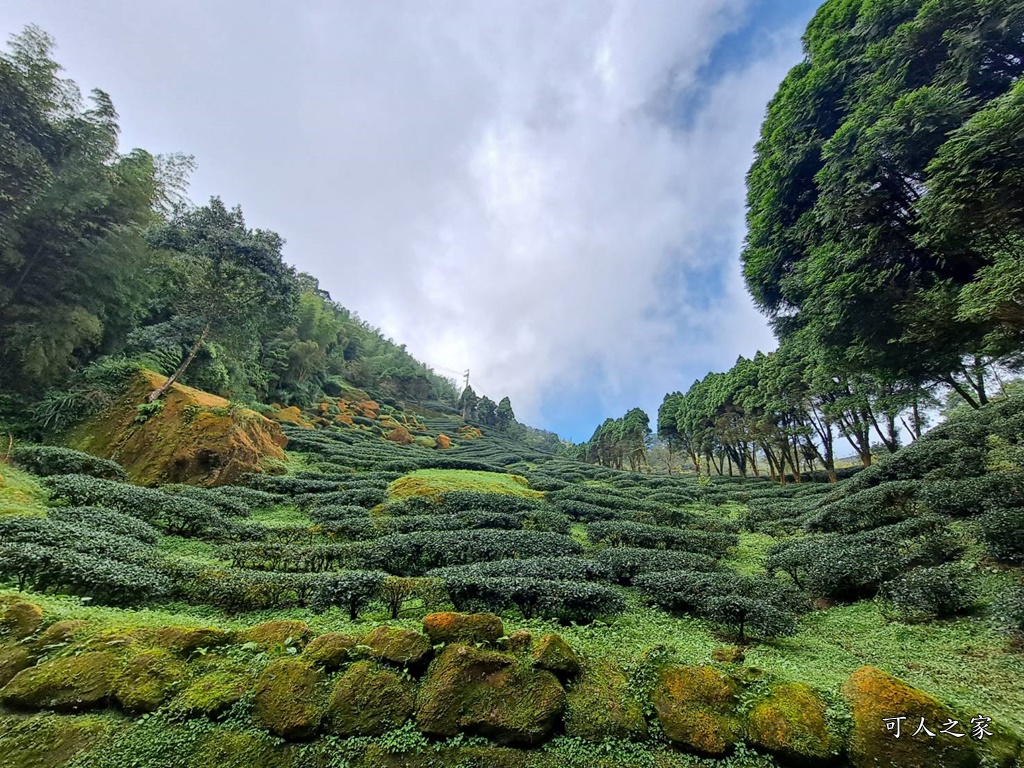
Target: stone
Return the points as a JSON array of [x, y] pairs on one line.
[[68, 683], [488, 694], [368, 701], [554, 654], [463, 628], [696, 708], [287, 701]]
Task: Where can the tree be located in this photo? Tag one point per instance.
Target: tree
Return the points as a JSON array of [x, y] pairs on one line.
[[468, 402], [73, 264], [225, 283], [844, 246], [505, 419]]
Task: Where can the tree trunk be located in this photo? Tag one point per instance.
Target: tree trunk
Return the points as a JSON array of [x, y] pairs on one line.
[[157, 393]]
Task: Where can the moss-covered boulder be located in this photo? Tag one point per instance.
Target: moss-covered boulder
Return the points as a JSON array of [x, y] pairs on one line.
[[217, 687], [463, 627], [195, 437], [148, 680], [18, 618], [13, 659], [48, 740], [330, 650], [696, 708], [271, 634], [600, 706], [489, 694], [230, 748], [554, 654], [187, 640], [874, 696], [287, 699], [368, 700], [68, 683], [401, 647], [58, 633], [520, 641], [791, 722]]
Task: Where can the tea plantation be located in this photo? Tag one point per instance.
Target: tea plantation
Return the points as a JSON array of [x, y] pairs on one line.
[[381, 603]]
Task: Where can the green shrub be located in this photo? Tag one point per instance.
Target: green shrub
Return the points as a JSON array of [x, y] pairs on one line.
[[107, 520], [414, 554], [1002, 529], [872, 507], [759, 605], [45, 460], [174, 514], [622, 533], [566, 601], [626, 563], [546, 568], [351, 591], [930, 593]]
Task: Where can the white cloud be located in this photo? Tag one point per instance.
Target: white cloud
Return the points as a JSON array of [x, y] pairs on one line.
[[495, 184]]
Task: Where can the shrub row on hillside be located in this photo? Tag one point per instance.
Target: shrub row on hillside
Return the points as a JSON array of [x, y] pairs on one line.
[[566, 601], [172, 514], [46, 460], [622, 533], [744, 604]]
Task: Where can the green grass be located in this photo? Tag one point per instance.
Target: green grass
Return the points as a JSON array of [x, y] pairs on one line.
[[280, 515], [195, 550], [20, 493], [434, 482], [748, 557]]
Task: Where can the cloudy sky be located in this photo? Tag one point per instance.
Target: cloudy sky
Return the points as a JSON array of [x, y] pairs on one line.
[[547, 193]]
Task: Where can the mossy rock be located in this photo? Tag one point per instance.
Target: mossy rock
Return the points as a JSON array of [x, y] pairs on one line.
[[600, 706], [875, 695], [729, 654], [519, 641], [229, 748], [425, 441], [187, 640], [13, 659], [18, 618], [330, 650], [463, 627], [287, 699], [696, 708], [47, 740], [148, 680], [68, 683], [402, 647], [214, 692], [368, 701], [792, 722], [488, 694], [554, 654], [58, 633], [121, 639], [271, 634], [443, 442]]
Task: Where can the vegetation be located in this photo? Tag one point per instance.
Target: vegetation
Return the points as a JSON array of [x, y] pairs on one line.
[[416, 578]]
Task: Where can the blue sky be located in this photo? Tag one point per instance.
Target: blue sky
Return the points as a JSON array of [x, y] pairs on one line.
[[550, 195]]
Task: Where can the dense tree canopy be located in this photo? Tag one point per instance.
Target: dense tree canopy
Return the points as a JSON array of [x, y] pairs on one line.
[[101, 257], [867, 234]]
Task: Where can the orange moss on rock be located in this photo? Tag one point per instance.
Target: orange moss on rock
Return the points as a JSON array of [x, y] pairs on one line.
[[696, 708], [194, 437], [400, 435], [874, 695], [467, 432], [444, 442], [368, 409]]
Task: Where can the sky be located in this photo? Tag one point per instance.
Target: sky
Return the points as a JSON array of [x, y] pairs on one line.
[[550, 195]]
